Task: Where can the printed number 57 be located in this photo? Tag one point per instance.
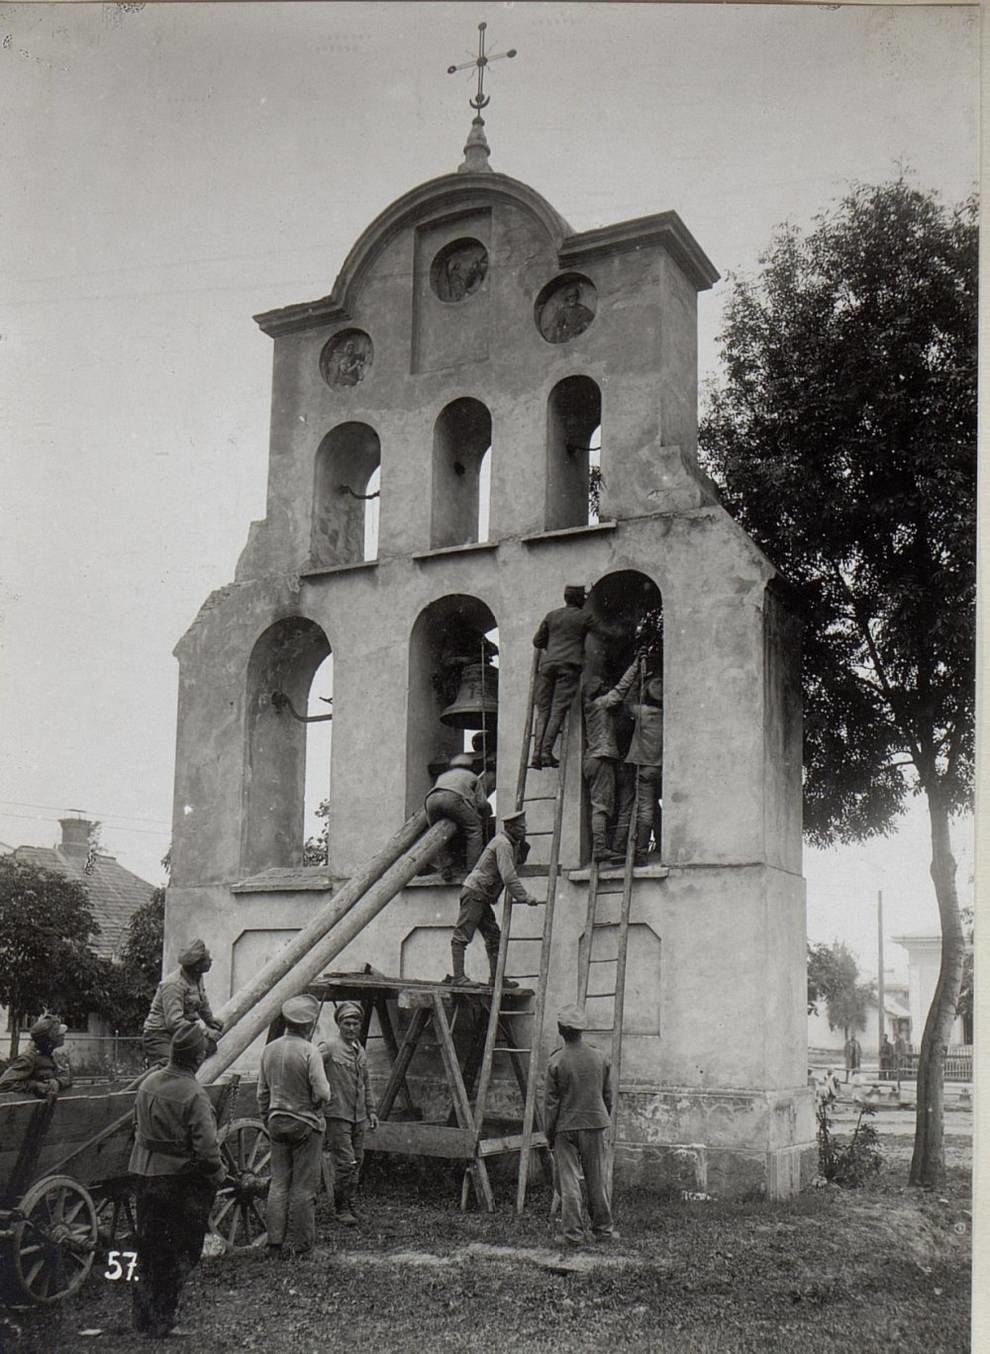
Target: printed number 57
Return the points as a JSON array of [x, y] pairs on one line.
[[116, 1269]]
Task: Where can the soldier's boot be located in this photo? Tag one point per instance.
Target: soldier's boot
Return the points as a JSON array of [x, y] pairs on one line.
[[458, 977], [601, 851], [492, 966]]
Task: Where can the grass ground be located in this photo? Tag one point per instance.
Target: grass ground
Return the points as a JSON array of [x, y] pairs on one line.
[[853, 1271]]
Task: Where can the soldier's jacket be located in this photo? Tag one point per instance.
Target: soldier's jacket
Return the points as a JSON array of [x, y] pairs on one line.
[[32, 1072], [175, 1129], [561, 635], [177, 1000], [347, 1072], [578, 1090]]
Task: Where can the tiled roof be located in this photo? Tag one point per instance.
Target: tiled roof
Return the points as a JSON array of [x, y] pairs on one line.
[[114, 893]]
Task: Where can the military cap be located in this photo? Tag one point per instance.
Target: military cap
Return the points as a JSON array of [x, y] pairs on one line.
[[194, 953], [518, 817], [464, 759], [47, 1026], [572, 1018], [300, 1010], [189, 1038], [348, 1008]]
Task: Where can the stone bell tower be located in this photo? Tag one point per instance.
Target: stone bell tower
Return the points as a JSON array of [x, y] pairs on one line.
[[465, 360]]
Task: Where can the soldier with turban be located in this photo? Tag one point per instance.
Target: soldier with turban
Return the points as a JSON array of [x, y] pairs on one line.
[[37, 1071], [353, 1109], [179, 999]]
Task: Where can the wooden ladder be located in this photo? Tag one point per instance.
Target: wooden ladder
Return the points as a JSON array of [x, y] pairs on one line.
[[532, 1126]]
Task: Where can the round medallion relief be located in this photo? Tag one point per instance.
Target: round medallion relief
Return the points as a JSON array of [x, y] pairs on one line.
[[565, 307], [458, 270], [346, 358]]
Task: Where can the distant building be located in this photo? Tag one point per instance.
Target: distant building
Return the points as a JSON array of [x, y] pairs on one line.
[[115, 894], [924, 958], [897, 1020]]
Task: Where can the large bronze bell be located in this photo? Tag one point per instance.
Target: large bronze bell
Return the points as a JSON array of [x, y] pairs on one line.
[[476, 704]]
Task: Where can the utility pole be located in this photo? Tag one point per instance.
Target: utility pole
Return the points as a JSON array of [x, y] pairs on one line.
[[880, 997]]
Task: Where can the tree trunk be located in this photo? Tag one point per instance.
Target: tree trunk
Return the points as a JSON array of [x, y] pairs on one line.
[[928, 1160], [15, 1035]]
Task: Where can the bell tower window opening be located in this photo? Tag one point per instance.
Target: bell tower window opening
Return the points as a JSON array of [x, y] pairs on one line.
[[280, 677], [574, 413], [453, 690], [345, 499], [319, 739], [462, 439]]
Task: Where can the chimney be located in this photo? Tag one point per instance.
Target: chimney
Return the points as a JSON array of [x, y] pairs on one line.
[[75, 837]]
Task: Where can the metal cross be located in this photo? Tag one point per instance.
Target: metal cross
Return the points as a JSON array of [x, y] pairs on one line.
[[482, 60]]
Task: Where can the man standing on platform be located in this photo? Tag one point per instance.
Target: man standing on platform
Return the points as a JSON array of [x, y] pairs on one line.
[[352, 1108], [601, 756], [495, 870], [180, 998], [576, 1119], [460, 794], [642, 777], [177, 1164], [292, 1095], [560, 636]]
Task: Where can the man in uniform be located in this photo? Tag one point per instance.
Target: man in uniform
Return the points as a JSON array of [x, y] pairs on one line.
[[37, 1071], [601, 755], [853, 1054], [180, 998], [292, 1096], [578, 1106], [495, 870], [177, 1165], [560, 636], [642, 778], [460, 794], [352, 1108]]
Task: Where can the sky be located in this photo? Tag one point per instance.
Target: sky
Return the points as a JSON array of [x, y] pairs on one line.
[[171, 170]]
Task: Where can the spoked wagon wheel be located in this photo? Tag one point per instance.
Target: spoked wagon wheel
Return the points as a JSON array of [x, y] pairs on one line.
[[238, 1216], [53, 1245]]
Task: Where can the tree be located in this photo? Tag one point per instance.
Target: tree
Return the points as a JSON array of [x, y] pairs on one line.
[[844, 440], [833, 979], [316, 849], [46, 962]]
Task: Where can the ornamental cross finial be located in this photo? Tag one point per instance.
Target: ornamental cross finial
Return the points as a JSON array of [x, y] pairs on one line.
[[481, 61]]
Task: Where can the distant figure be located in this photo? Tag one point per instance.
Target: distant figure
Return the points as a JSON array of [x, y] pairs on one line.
[[180, 998], [560, 636], [461, 795], [578, 1107], [177, 1165], [901, 1050], [37, 1071], [886, 1058], [293, 1093], [352, 1111], [853, 1054]]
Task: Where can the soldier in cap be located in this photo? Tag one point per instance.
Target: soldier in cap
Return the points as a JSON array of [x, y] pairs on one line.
[[641, 776], [292, 1095], [460, 794], [177, 1166], [353, 1110], [179, 998], [577, 1113], [37, 1071], [495, 870], [560, 637]]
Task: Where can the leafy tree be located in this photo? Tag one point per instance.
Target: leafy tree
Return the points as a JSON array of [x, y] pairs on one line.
[[140, 968], [46, 926], [844, 440], [316, 849], [833, 980]]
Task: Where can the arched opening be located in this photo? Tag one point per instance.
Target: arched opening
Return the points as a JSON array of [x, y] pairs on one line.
[[485, 496], [574, 412], [280, 675], [319, 739], [462, 436], [453, 690], [624, 657], [345, 501]]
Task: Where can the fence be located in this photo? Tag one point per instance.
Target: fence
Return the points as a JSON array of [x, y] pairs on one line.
[[109, 1057], [958, 1065]]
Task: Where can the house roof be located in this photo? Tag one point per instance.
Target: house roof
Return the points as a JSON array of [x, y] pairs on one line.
[[115, 894]]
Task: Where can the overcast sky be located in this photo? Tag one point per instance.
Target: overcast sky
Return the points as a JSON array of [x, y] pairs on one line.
[[171, 170]]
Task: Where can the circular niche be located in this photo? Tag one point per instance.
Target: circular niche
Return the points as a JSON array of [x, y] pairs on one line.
[[458, 270], [565, 307], [346, 358]]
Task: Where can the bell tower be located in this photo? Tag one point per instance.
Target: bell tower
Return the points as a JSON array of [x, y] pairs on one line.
[[516, 403]]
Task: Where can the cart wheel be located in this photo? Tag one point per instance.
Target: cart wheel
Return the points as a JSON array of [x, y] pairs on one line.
[[53, 1247], [238, 1217], [116, 1214]]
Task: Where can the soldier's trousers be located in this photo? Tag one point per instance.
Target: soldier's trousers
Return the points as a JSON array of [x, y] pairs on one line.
[[556, 684], [173, 1213], [296, 1156], [345, 1152], [576, 1151]]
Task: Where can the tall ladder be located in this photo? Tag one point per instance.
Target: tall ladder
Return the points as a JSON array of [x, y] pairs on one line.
[[532, 1126], [610, 966]]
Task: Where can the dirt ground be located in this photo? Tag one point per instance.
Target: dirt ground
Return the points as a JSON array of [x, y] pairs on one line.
[[833, 1270]]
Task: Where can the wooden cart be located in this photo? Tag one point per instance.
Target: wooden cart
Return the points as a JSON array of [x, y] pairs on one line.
[[66, 1198]]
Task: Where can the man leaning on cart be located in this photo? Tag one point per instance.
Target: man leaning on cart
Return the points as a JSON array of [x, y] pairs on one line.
[[37, 1071]]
